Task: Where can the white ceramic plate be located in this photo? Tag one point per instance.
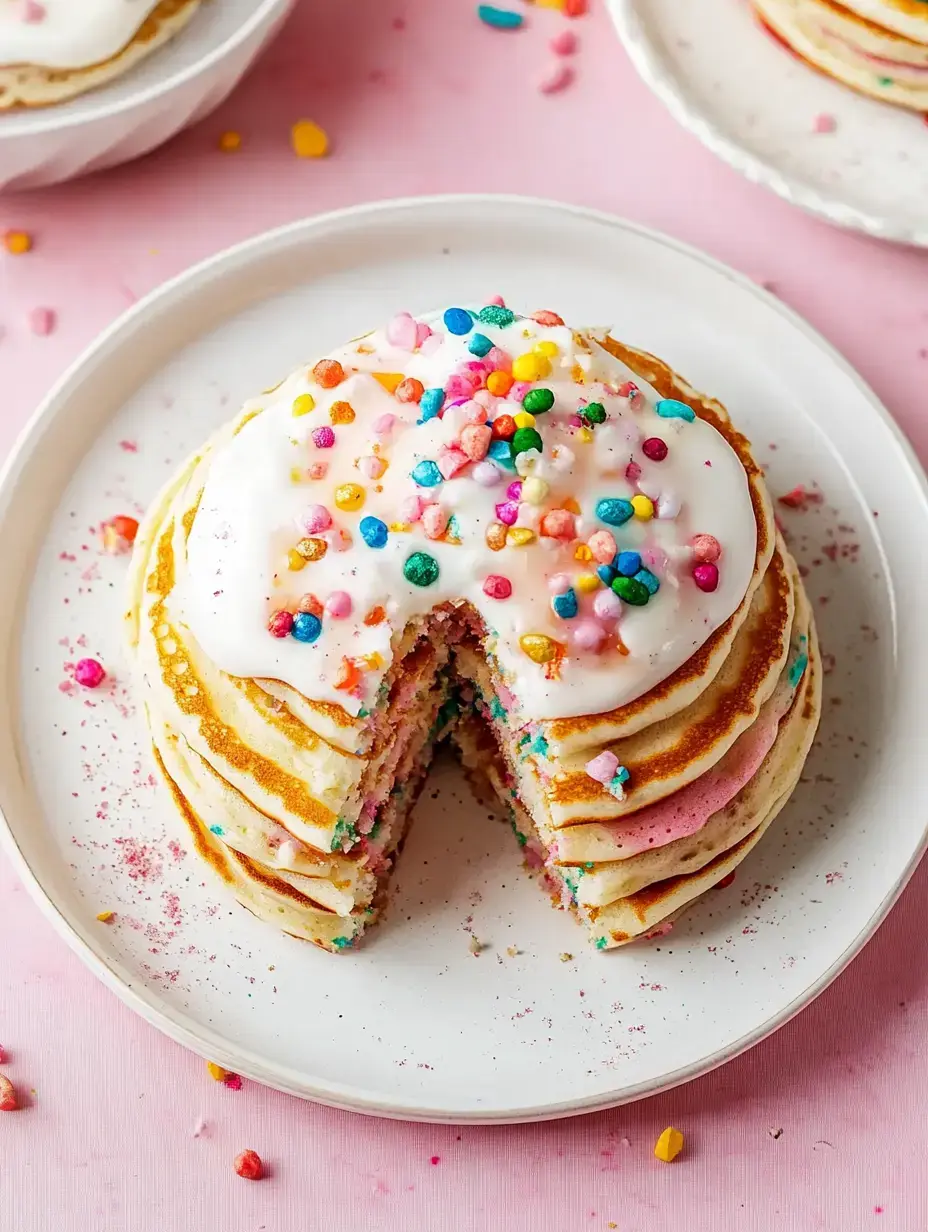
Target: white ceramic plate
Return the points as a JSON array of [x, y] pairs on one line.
[[176, 86], [753, 104], [412, 1024]]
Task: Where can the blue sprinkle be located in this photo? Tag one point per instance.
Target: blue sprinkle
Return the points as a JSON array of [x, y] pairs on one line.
[[430, 404], [614, 511], [628, 563], [565, 605], [306, 627], [670, 408], [374, 532], [458, 321], [216, 830], [648, 579], [501, 452], [606, 574], [426, 474], [479, 345], [499, 19], [798, 666]]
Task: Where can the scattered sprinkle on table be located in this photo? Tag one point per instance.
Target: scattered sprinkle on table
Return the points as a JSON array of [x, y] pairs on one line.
[[230, 142], [477, 947], [824, 123], [7, 1095], [90, 673], [105, 916], [669, 1145], [555, 78], [248, 1165], [309, 140], [499, 19], [42, 321], [17, 242], [565, 957], [216, 1072], [564, 44]]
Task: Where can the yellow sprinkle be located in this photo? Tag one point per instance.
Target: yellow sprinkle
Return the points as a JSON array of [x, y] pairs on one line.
[[105, 916], [548, 349], [571, 505], [539, 647], [216, 1072], [584, 435], [302, 405], [643, 507], [349, 497], [534, 490], [669, 1145], [577, 375], [17, 242], [583, 552], [531, 367], [312, 549], [295, 562], [309, 140], [372, 662], [550, 4], [587, 582], [519, 536], [389, 380], [296, 475], [230, 142], [523, 419], [400, 528]]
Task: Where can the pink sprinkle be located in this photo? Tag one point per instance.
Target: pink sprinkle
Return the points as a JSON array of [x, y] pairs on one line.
[[317, 470], [633, 472], [314, 520], [32, 12], [628, 389], [588, 634], [460, 386], [402, 332], [706, 549], [514, 491], [474, 412], [280, 623], [518, 391], [602, 544], [824, 123], [450, 461], [486, 474], [338, 604], [607, 605], [423, 332], [555, 78], [475, 441], [497, 300], [558, 583], [558, 524], [602, 768], [411, 509], [564, 44], [233, 1082], [706, 577], [42, 321], [89, 673], [498, 360], [507, 512], [654, 449], [497, 587], [484, 398], [324, 437], [435, 521], [371, 466], [383, 424]]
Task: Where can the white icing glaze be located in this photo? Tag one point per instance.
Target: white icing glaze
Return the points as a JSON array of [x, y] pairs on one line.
[[250, 507], [68, 33]]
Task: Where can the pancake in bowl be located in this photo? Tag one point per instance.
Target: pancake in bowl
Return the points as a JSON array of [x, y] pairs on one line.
[[878, 47], [54, 50], [533, 540]]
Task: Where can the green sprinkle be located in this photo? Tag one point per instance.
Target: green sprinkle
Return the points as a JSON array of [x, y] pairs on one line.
[[538, 401], [496, 709], [525, 439], [593, 412], [343, 830], [601, 943], [421, 569], [343, 943], [494, 314], [631, 591], [885, 81]]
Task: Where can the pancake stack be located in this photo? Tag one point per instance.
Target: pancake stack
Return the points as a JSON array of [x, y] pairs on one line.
[[57, 49], [535, 541], [879, 47]]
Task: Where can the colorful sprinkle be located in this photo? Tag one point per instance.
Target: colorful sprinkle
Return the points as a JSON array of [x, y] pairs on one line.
[[409, 390], [248, 1166], [280, 623], [602, 768], [588, 635], [593, 412], [426, 474], [558, 524], [402, 332], [520, 536], [324, 437], [614, 511], [90, 673], [539, 647], [531, 367], [312, 548], [654, 449], [525, 439], [628, 563], [706, 549], [499, 383], [565, 605], [479, 345], [643, 507], [309, 603], [495, 536], [486, 474], [431, 403], [458, 321], [421, 569], [670, 408], [496, 314], [306, 627], [538, 401], [328, 373], [534, 490], [7, 1095], [631, 591], [706, 577], [309, 140], [669, 1145], [648, 580], [495, 586], [503, 428], [349, 497], [501, 452], [522, 419], [374, 532], [118, 535], [17, 242], [499, 19]]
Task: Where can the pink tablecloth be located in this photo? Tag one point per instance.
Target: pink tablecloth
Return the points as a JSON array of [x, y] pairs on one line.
[[819, 1128]]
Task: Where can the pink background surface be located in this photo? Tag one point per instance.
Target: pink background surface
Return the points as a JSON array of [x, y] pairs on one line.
[[106, 1142]]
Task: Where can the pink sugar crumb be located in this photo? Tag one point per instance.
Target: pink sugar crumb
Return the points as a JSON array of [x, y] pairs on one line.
[[436, 1159], [824, 123], [140, 861], [129, 446], [801, 498], [233, 1082], [42, 321]]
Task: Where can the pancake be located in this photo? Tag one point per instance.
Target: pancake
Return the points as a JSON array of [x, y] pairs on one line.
[[878, 47], [535, 541], [52, 52]]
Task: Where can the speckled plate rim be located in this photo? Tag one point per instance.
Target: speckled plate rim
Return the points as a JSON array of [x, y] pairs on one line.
[[146, 1003], [760, 171], [38, 121]]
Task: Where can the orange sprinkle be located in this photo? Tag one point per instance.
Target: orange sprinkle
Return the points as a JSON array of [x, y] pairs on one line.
[[341, 413], [376, 616], [571, 506], [348, 675], [309, 603], [105, 916], [328, 373], [230, 142], [17, 242], [499, 383], [389, 380]]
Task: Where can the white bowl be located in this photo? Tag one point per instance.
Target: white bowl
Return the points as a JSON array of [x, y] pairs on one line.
[[174, 87]]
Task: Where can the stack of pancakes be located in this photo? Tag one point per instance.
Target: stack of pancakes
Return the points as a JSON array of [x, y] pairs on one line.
[[879, 47], [300, 801], [56, 50]]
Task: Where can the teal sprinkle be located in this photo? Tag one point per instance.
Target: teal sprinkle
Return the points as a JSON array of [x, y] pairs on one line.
[[601, 943], [589, 866], [453, 529], [497, 711], [670, 408], [493, 314], [362, 713], [216, 830], [799, 665], [619, 779], [343, 943], [539, 746], [523, 739]]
